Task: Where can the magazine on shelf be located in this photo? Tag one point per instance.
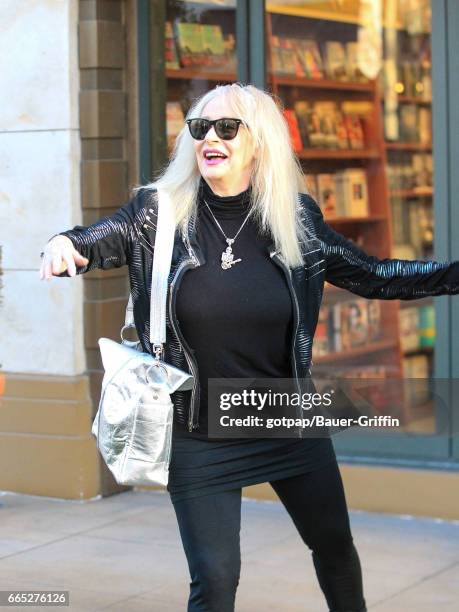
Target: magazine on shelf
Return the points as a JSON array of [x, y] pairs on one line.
[[352, 192], [327, 116], [311, 59], [213, 46], [174, 122], [190, 44], [293, 129], [326, 188], [354, 73], [335, 61], [170, 52]]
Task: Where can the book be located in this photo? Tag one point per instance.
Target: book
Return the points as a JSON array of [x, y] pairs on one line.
[[335, 61], [213, 46], [301, 108], [352, 192], [427, 326], [174, 123], [170, 51], [425, 125], [341, 131], [354, 73], [311, 58], [289, 58], [190, 44], [277, 66], [316, 138], [409, 328], [326, 188], [408, 116], [293, 129], [354, 324], [327, 115], [374, 319], [355, 131], [322, 340]]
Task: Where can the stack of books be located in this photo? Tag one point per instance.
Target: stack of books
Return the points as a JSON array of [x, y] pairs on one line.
[[302, 57], [347, 324], [327, 125], [340, 194]]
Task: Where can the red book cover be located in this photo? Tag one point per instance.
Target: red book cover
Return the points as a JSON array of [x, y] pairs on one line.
[[294, 130]]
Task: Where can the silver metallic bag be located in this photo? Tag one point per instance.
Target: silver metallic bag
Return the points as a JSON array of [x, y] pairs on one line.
[[133, 424]]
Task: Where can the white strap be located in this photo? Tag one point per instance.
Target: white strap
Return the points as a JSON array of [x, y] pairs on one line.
[[164, 244]]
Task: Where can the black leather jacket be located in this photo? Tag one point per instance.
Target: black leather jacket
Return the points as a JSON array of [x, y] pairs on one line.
[[128, 237]]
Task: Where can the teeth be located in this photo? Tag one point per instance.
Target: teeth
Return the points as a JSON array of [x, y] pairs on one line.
[[210, 155]]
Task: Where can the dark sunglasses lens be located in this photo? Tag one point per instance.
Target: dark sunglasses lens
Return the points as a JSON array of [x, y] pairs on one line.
[[226, 128], [199, 128]]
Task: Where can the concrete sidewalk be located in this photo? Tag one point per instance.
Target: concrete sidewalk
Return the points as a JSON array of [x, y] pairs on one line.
[[124, 554]]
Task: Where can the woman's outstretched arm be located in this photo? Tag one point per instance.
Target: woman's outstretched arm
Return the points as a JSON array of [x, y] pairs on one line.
[[349, 267], [105, 244]]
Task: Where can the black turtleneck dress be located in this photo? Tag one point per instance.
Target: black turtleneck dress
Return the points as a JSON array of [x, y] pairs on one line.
[[239, 322]]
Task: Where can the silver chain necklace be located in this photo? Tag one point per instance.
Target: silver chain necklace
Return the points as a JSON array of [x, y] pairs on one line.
[[227, 255]]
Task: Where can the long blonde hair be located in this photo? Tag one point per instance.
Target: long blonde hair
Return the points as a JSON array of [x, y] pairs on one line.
[[277, 176]]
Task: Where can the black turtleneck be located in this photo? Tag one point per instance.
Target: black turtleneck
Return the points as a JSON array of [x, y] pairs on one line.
[[237, 321]]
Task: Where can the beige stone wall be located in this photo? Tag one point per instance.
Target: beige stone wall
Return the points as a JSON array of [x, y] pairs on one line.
[[68, 142]]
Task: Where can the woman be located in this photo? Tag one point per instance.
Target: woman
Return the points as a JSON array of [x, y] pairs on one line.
[[250, 257]]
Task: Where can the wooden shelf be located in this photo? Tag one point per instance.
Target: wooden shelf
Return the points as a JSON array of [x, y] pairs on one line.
[[304, 83], [193, 73], [408, 146], [419, 192], [313, 13], [413, 100], [350, 17], [342, 220], [339, 154], [358, 351], [419, 350]]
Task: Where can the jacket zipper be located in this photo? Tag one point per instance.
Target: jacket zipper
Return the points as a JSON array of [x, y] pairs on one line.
[[185, 265], [288, 276]]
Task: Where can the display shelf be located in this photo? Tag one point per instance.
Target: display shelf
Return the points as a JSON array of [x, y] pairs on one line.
[[303, 83], [372, 233], [413, 100], [408, 146], [420, 349], [348, 220], [332, 154], [417, 192], [358, 351], [341, 14], [190, 74], [350, 17]]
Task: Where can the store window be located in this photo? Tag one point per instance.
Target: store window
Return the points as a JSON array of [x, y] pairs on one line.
[[200, 40], [355, 80], [354, 77]]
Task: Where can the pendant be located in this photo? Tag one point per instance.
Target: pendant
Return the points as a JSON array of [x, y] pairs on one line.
[[228, 257]]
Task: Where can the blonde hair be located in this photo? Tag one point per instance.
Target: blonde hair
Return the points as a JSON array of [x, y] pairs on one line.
[[276, 180]]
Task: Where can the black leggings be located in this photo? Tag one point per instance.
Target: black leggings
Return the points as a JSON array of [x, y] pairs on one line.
[[210, 526]]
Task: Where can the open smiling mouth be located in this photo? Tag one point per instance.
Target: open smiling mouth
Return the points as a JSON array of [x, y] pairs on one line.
[[213, 159]]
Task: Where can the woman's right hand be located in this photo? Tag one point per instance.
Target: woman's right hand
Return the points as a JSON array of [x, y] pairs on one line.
[[60, 255]]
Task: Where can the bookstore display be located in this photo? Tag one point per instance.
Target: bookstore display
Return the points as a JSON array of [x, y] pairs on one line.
[[356, 96], [365, 142], [200, 51]]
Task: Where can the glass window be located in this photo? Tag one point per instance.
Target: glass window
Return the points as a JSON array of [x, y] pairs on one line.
[[200, 53], [354, 78]]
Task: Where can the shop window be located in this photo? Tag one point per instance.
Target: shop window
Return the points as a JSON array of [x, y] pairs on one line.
[[354, 79], [200, 53]]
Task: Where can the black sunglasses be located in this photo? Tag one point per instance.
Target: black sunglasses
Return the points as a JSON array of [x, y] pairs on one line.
[[226, 128]]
